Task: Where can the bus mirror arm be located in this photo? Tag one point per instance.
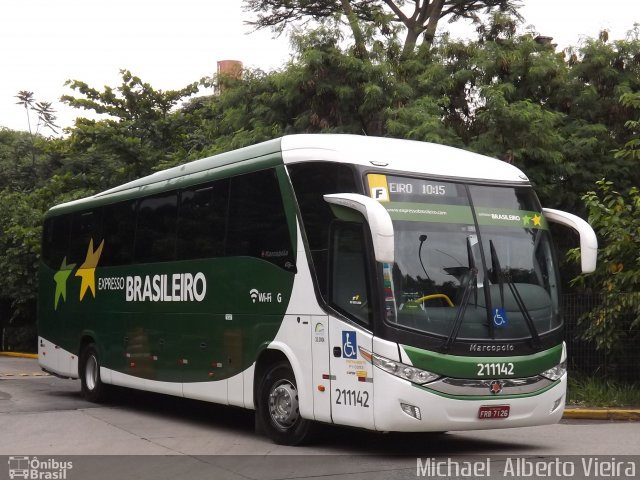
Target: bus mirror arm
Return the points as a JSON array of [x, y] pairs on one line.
[[376, 216], [588, 239]]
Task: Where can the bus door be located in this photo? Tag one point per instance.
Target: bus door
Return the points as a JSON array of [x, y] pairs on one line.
[[351, 375], [350, 293]]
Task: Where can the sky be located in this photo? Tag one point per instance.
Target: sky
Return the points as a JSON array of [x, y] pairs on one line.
[[171, 43]]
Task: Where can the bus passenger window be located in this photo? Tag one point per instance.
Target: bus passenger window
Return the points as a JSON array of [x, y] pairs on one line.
[[201, 220], [55, 241], [85, 226], [119, 225], [156, 229], [257, 223]]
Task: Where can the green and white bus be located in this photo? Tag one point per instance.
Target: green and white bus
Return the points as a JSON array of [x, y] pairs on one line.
[[385, 284]]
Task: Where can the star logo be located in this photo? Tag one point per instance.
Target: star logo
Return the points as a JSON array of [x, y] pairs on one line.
[[87, 271], [495, 387], [526, 219], [536, 220], [61, 277]]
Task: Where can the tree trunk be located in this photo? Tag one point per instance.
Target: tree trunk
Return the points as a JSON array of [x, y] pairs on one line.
[[361, 48], [410, 41], [432, 24]]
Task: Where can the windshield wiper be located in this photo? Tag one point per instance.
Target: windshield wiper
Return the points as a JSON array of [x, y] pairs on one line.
[[471, 275], [495, 265]]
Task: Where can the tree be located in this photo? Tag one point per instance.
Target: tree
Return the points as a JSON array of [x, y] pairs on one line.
[[17, 150], [20, 235], [44, 110], [141, 128], [46, 117], [615, 216], [631, 149], [419, 18], [327, 89], [510, 85], [600, 73]]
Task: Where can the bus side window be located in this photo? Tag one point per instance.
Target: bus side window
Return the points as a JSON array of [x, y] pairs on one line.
[[55, 240], [85, 226], [118, 225], [349, 288], [202, 220], [156, 228], [257, 223]]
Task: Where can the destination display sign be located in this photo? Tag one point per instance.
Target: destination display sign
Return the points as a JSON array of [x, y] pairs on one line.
[[386, 188], [422, 200]]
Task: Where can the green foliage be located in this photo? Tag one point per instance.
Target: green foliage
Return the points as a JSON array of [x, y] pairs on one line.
[[615, 218], [20, 243], [21, 227], [596, 125], [601, 392], [525, 133], [141, 128], [631, 149]]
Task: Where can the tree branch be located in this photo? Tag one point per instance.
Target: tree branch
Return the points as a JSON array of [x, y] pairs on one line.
[[395, 9], [361, 48]]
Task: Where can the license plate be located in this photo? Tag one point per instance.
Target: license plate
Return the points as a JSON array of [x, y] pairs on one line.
[[493, 411]]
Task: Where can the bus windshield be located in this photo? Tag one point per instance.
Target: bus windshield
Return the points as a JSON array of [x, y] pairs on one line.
[[471, 261]]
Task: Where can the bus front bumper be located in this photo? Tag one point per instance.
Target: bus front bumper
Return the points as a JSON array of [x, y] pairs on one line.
[[404, 407]]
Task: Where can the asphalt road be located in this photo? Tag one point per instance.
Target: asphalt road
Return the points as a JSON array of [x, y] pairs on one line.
[[46, 416]]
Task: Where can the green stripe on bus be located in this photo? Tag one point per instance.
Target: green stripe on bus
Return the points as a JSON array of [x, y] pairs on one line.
[[461, 214], [469, 367]]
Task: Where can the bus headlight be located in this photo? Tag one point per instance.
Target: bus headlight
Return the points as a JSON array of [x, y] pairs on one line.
[[556, 372], [406, 372]]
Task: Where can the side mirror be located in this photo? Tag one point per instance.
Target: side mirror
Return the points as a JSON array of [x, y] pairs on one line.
[[588, 239], [376, 216]]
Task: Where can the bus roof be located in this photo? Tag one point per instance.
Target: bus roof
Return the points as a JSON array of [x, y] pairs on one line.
[[376, 152], [399, 155]]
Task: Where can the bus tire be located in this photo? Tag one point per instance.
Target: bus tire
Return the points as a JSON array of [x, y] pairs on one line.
[[278, 413], [91, 384]]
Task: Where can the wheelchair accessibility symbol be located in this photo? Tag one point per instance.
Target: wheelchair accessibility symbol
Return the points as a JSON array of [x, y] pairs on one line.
[[499, 318], [349, 344]]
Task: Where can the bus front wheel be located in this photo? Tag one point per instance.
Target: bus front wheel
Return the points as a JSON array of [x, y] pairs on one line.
[[278, 408], [92, 387]]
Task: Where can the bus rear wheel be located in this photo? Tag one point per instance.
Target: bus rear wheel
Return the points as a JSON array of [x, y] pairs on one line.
[[91, 385], [278, 407]]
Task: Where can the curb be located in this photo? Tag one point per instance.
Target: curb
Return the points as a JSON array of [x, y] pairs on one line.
[[19, 355], [632, 415]]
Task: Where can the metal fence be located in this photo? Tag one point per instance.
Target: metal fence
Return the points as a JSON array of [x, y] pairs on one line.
[[583, 356]]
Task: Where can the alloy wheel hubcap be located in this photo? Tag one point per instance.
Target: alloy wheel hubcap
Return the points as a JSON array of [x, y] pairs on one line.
[[283, 404], [91, 372]]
